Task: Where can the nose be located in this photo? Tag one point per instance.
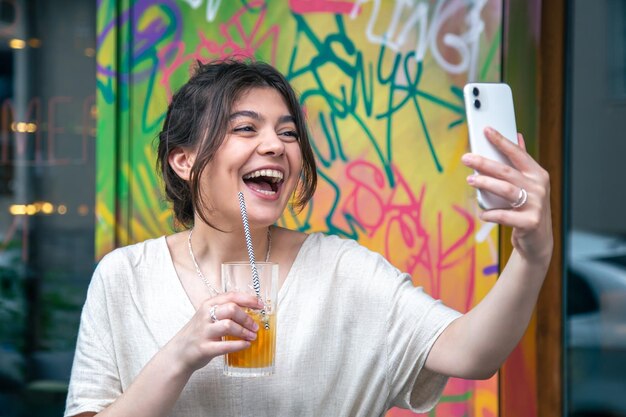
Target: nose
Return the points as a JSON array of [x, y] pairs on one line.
[[271, 144]]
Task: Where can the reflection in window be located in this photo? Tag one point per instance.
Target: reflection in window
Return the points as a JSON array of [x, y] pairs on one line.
[[47, 194], [596, 258]]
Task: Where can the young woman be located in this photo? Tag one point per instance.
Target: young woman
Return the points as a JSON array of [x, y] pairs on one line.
[[355, 337]]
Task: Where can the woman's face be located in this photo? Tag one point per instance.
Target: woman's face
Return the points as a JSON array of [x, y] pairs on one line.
[[260, 156]]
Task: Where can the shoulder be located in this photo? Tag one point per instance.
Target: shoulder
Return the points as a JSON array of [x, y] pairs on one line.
[[125, 263], [133, 254], [346, 271], [348, 256]]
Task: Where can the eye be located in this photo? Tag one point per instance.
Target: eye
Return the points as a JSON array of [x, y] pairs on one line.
[[244, 129], [290, 135]]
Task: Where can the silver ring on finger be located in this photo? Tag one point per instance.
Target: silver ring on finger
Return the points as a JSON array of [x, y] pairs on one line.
[[521, 199], [212, 313]]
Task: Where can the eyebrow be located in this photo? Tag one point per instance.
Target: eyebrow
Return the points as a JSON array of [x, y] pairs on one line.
[[256, 116]]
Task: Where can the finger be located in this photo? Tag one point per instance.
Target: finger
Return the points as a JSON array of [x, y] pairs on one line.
[[504, 189], [518, 156], [489, 167], [240, 298], [228, 327], [229, 346], [521, 142], [523, 221], [232, 311]]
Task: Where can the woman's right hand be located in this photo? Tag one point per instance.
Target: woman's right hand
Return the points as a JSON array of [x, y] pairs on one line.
[[200, 340]]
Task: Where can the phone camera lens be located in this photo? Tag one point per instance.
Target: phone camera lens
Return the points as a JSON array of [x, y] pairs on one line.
[[477, 104], [475, 92]]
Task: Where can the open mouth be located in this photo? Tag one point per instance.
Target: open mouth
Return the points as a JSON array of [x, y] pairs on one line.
[[264, 181]]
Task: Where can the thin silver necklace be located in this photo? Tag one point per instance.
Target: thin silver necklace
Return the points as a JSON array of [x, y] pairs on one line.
[[211, 288]]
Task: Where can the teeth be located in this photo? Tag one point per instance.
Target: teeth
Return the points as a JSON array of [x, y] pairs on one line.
[[269, 173], [266, 192]]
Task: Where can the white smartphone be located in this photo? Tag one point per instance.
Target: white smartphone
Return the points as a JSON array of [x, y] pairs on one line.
[[489, 104]]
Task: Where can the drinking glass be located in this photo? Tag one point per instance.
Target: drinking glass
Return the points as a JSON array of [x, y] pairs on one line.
[[258, 359]]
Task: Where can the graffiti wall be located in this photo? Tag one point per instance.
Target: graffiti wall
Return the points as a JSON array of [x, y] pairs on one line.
[[380, 82]]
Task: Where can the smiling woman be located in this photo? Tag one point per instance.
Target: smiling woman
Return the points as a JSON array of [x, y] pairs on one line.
[[215, 99], [260, 155], [349, 326]]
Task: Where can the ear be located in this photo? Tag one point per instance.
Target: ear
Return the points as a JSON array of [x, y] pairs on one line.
[[181, 160]]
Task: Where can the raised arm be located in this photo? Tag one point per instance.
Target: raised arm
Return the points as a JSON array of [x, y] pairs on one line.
[[475, 345]]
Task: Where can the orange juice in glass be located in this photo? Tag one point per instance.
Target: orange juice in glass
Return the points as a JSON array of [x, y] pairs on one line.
[[258, 359]]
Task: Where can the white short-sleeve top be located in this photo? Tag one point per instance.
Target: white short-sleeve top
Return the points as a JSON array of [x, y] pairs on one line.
[[353, 334]]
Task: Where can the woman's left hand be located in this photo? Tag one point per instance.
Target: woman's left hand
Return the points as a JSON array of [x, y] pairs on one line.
[[531, 222]]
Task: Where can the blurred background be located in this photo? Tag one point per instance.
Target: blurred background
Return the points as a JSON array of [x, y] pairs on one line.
[[47, 194], [595, 205]]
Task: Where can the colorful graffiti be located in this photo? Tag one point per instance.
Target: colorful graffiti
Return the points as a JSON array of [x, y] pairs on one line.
[[380, 82]]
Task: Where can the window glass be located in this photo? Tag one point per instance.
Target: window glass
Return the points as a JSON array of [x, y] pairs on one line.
[[47, 192], [596, 256], [616, 58]]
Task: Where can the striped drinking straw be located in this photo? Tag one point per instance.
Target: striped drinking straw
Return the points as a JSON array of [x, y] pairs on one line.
[[255, 274]]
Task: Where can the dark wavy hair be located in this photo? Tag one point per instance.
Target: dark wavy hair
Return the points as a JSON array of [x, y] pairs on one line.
[[198, 118]]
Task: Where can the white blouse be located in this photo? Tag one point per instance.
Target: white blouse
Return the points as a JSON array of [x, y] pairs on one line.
[[353, 334]]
